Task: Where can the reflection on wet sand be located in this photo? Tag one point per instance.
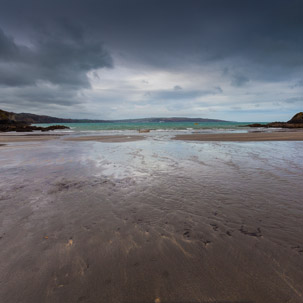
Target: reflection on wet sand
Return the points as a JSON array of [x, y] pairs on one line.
[[142, 221]]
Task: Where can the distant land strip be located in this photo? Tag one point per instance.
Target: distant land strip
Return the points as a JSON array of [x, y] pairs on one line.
[[32, 118]]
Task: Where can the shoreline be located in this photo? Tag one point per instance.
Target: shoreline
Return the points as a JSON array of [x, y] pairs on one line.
[[240, 137], [27, 138], [110, 139], [206, 137], [47, 137]]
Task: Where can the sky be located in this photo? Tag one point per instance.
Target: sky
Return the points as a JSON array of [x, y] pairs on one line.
[[226, 59]]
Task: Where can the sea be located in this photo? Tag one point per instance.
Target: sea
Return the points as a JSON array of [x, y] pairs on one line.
[[159, 126]]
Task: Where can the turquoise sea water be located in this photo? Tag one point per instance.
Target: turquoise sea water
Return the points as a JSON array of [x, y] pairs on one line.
[[151, 125]]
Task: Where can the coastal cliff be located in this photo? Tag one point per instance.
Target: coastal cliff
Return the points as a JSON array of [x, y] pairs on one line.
[[296, 119], [295, 122], [9, 122]]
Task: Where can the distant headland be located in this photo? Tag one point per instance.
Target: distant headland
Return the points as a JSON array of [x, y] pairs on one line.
[[10, 121], [32, 118]]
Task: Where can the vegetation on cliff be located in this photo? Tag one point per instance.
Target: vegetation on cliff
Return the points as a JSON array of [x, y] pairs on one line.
[[9, 122]]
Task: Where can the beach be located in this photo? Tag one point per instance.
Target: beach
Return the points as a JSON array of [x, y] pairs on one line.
[[244, 137], [254, 136], [7, 138], [129, 218], [151, 151], [108, 138]]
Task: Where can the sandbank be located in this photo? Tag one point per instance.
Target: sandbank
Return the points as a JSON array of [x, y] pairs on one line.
[[4, 138], [109, 139], [244, 137]]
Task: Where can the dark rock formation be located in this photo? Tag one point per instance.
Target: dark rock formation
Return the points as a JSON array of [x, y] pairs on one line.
[[23, 127], [285, 125], [295, 122], [7, 116], [20, 127], [296, 119], [257, 125]]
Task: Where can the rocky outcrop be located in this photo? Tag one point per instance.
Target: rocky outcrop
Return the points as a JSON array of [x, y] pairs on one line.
[[285, 125], [296, 119], [9, 123], [21, 127], [295, 122], [7, 116]]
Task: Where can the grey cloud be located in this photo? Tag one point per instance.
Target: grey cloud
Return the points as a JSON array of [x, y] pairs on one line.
[[266, 35], [147, 94], [218, 89], [294, 100], [8, 48], [177, 87], [175, 95], [41, 96], [239, 80], [61, 55], [299, 83], [208, 30]]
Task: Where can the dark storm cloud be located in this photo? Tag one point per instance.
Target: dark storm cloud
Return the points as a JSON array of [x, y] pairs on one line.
[[169, 33], [59, 41], [8, 49], [60, 54], [39, 96]]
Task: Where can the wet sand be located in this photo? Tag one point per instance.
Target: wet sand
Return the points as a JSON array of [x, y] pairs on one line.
[[109, 138], [244, 137], [224, 137], [27, 138], [151, 221], [45, 137]]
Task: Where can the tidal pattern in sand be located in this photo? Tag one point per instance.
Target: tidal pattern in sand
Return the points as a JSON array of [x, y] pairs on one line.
[[136, 221]]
